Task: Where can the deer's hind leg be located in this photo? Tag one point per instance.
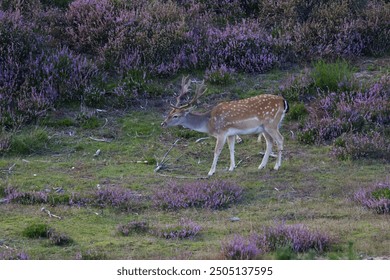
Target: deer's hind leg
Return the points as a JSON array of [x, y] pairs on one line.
[[231, 143], [268, 150]]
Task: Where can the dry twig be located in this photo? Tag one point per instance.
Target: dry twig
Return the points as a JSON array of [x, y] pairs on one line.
[[43, 209], [101, 139], [161, 164]]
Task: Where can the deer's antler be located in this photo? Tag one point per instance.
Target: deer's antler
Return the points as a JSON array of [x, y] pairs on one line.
[[185, 87]]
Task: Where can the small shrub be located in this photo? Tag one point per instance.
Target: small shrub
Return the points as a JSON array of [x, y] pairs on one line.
[[245, 46], [297, 112], [57, 3], [362, 146], [186, 229], [5, 141], [33, 197], [89, 122], [212, 195], [58, 239], [36, 231], [297, 237], [376, 197], [298, 87], [283, 240], [58, 199], [307, 136], [133, 227], [360, 118], [336, 76], [89, 24], [13, 255], [91, 255], [29, 142], [240, 248], [119, 198], [221, 75]]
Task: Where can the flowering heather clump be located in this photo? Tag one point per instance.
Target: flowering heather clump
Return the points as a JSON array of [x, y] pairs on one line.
[[297, 237], [354, 121], [12, 195], [89, 23], [120, 198], [245, 46], [133, 227], [186, 229], [13, 255], [362, 145], [376, 197], [212, 195], [240, 248], [219, 75]]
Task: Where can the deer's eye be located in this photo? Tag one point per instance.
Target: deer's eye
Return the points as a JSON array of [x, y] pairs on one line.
[[175, 116]]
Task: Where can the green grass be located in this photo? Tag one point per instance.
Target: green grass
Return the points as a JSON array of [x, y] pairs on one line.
[[310, 188], [335, 76]]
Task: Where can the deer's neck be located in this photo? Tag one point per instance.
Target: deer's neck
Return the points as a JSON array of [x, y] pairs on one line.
[[197, 121]]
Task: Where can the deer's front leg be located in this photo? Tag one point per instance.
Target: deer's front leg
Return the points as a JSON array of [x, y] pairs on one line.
[[218, 149]]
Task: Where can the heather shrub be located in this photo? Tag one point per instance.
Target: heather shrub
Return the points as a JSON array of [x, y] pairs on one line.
[[240, 248], [361, 146], [359, 117], [22, 95], [213, 195], [221, 75], [376, 197], [57, 3], [72, 74], [116, 197], [186, 229], [283, 240], [58, 239], [244, 46], [133, 227], [5, 141], [296, 237], [91, 255], [375, 29], [298, 87], [327, 29], [88, 24], [32, 197], [13, 255]]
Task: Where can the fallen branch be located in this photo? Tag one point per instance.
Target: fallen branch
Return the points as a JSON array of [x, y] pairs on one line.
[[9, 169], [163, 160], [43, 209], [101, 139], [239, 162], [104, 124], [271, 154], [201, 139]]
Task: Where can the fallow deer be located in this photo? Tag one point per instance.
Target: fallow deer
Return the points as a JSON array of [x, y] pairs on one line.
[[261, 114]]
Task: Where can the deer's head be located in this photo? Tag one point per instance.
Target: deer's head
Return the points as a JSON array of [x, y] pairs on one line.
[[178, 114]]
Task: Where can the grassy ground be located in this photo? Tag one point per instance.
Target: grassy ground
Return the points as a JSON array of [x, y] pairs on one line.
[[310, 188]]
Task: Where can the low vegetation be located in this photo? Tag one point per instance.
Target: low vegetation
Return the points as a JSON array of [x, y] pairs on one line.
[[82, 99]]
